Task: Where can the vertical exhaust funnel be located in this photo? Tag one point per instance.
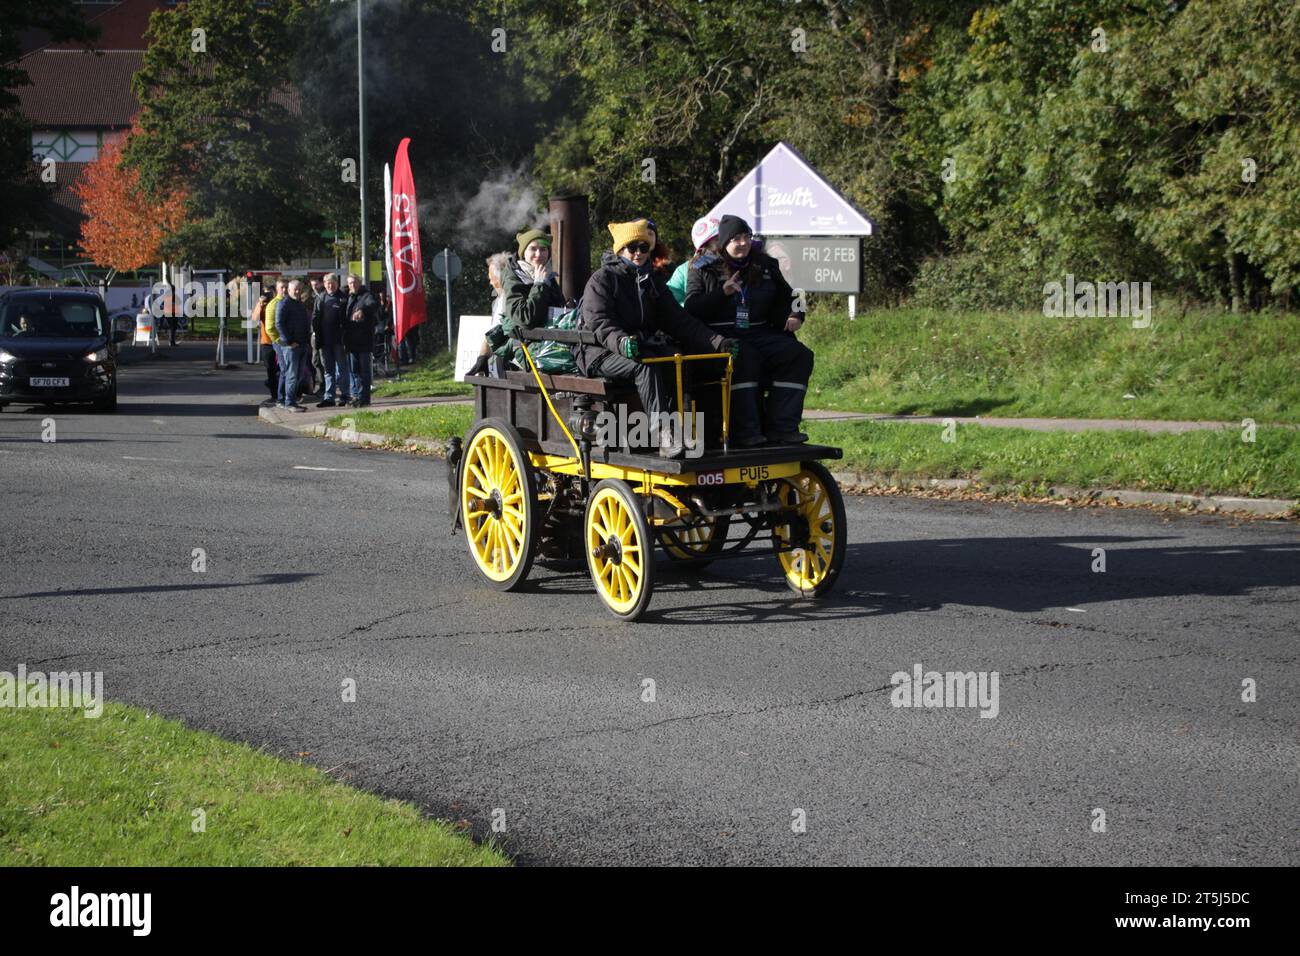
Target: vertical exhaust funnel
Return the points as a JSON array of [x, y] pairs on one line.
[[571, 243]]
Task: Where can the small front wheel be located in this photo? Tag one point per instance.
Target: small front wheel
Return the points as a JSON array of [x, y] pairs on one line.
[[620, 549], [811, 546]]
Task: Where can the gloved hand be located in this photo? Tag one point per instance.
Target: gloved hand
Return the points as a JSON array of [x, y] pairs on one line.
[[732, 346], [630, 347]]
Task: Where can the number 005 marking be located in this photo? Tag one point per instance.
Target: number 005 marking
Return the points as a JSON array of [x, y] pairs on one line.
[[711, 478]]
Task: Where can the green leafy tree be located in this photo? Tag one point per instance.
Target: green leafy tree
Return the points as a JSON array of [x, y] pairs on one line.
[[705, 90], [1215, 178], [220, 121], [1110, 139]]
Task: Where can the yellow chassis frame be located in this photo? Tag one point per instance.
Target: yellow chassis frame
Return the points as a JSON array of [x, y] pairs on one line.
[[652, 482]]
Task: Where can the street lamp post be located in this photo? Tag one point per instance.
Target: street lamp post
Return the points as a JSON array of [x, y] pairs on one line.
[[361, 160]]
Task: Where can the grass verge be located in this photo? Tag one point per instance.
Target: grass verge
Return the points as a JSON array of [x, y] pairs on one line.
[[121, 790], [1199, 462], [431, 421], [428, 378], [1203, 366]]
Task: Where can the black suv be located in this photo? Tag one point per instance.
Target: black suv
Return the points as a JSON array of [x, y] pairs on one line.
[[57, 345]]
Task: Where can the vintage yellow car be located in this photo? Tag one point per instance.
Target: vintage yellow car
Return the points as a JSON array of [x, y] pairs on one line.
[[536, 473]]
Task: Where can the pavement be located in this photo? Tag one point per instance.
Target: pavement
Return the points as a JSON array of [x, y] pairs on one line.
[[1120, 691], [1033, 424]]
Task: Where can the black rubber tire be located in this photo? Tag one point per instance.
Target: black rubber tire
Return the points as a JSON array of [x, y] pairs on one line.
[[106, 406]]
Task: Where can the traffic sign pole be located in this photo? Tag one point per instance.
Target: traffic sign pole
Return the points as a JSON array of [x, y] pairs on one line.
[[446, 266], [446, 258]]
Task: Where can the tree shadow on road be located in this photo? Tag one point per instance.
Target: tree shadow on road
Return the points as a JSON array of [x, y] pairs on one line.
[[136, 589]]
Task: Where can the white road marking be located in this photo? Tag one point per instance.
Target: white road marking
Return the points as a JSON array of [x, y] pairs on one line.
[[157, 421], [134, 458], [1077, 610], [312, 468]]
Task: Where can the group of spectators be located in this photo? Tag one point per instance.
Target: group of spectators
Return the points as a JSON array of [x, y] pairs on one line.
[[729, 296], [321, 341]]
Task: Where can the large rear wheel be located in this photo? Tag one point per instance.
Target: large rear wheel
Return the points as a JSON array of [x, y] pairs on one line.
[[811, 546], [620, 549], [498, 504]]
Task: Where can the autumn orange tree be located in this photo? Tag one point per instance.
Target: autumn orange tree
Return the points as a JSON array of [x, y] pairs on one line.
[[124, 227]]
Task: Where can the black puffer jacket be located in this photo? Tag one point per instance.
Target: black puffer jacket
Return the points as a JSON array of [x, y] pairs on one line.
[[770, 298], [620, 301], [360, 336], [327, 321]]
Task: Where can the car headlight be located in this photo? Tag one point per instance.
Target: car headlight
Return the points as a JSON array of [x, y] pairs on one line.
[[7, 356], [100, 355]]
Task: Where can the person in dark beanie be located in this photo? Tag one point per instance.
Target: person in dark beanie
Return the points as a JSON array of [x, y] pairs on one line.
[[629, 308], [362, 311], [294, 326], [328, 325], [742, 293]]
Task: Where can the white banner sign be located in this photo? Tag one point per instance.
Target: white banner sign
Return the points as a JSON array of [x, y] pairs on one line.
[[469, 339]]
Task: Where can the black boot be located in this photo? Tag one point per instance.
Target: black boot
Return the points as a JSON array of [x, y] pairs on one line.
[[786, 438]]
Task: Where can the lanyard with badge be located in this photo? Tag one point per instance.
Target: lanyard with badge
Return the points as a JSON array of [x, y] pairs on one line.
[[742, 309]]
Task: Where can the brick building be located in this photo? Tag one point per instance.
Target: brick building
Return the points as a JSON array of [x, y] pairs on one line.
[[81, 100]]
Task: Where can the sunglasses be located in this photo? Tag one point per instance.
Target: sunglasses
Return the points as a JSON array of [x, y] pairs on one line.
[[635, 247]]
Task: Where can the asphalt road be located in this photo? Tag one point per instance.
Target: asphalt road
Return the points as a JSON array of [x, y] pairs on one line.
[[1118, 691]]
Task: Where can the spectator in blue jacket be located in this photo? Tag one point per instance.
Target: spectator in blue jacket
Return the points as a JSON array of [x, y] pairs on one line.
[[294, 326]]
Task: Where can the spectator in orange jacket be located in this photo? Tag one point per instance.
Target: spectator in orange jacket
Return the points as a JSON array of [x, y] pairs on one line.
[[268, 351]]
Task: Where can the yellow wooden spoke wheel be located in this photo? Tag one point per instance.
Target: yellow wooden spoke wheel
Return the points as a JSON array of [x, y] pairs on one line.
[[498, 504], [620, 549], [811, 547]]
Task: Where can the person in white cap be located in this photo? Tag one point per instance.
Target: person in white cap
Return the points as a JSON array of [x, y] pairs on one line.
[[704, 234]]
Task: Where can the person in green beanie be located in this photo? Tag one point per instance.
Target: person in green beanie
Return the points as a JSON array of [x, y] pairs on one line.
[[531, 290]]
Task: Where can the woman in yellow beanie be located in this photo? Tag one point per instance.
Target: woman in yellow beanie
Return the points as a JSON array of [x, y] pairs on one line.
[[629, 308]]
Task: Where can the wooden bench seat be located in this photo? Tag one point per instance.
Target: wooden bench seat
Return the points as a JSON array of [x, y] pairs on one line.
[[599, 387]]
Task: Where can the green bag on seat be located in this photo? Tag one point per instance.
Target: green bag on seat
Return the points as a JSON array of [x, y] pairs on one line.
[[554, 358]]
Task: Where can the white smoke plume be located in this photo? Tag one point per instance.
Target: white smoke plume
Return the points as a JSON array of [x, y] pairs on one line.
[[506, 202]]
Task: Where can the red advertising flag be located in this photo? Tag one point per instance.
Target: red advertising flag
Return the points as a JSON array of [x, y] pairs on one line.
[[405, 267]]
